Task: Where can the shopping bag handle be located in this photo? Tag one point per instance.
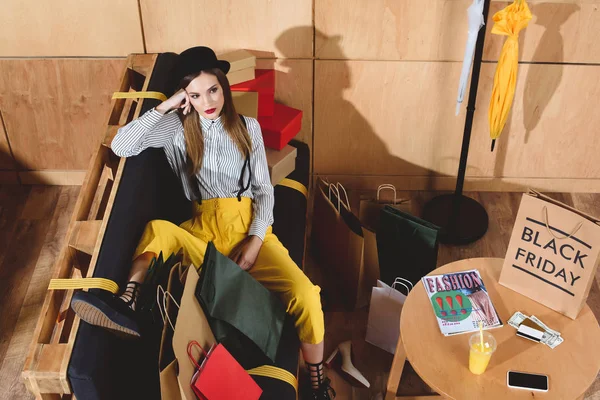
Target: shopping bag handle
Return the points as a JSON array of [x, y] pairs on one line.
[[393, 287], [191, 345], [337, 193], [340, 186], [398, 279], [387, 186], [163, 311], [545, 209], [335, 188]]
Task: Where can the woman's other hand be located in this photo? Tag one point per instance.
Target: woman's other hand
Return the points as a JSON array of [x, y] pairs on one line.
[[178, 100], [245, 252]]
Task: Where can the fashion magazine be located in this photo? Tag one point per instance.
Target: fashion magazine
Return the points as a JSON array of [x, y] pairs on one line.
[[460, 301]]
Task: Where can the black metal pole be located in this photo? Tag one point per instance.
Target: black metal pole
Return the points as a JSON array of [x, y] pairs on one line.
[[478, 57], [462, 219]]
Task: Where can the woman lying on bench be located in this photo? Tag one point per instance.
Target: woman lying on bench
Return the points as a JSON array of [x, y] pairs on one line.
[[220, 158]]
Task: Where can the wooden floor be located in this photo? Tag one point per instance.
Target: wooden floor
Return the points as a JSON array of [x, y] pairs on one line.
[[33, 223]]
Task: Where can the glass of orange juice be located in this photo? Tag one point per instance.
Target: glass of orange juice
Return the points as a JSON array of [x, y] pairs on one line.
[[479, 357]]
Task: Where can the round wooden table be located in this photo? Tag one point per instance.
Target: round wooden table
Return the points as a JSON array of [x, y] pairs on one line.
[[443, 362]]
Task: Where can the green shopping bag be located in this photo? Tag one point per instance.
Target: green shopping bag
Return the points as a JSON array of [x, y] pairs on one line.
[[407, 246], [243, 315]]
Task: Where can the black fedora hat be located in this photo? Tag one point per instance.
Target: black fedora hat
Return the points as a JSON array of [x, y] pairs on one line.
[[197, 59]]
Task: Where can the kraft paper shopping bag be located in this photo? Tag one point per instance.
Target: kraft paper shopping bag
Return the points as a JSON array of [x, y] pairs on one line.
[[168, 304], [553, 254], [370, 207], [342, 247], [191, 325]]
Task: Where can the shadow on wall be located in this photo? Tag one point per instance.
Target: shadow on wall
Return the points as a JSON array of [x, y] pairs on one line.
[[540, 88], [9, 165], [11, 171], [345, 142]]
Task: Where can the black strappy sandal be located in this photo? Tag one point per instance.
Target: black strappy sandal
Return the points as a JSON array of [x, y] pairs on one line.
[[324, 390], [131, 294], [109, 311]]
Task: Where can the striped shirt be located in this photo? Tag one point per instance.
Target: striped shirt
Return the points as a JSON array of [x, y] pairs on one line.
[[221, 166]]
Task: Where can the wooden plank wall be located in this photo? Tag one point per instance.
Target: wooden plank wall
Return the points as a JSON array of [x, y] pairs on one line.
[[376, 80], [229, 25], [434, 30], [59, 64], [54, 108], [70, 28], [386, 78]]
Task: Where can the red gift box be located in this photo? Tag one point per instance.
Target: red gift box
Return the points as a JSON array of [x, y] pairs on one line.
[[264, 84], [279, 129]]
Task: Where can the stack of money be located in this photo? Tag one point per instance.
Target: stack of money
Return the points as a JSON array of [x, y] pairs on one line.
[[550, 337]]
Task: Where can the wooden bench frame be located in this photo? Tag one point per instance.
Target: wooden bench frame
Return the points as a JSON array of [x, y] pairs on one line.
[[45, 369]]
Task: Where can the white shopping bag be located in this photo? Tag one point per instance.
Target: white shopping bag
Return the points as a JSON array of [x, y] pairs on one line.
[[383, 326]]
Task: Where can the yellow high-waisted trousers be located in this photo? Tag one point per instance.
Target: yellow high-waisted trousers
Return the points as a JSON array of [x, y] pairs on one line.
[[226, 222]]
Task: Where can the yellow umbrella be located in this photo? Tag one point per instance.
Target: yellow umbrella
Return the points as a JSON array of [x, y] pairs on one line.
[[509, 22]]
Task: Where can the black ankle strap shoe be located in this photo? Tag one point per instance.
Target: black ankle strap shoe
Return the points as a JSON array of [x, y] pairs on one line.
[[106, 310], [324, 392]]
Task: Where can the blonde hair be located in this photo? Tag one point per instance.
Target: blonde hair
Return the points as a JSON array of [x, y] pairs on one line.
[[192, 129]]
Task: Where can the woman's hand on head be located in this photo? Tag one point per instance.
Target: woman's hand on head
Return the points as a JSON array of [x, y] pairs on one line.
[[246, 252], [179, 100]]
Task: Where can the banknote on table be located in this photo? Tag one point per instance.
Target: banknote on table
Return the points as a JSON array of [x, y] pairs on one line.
[[551, 338], [516, 319], [540, 323]]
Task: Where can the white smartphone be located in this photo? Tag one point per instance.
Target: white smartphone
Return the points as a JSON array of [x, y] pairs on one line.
[[524, 380]]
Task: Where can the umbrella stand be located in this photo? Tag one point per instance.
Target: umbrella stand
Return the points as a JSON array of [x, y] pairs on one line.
[[462, 219]]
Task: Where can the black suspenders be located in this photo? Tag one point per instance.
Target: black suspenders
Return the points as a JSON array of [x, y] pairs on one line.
[[243, 187]]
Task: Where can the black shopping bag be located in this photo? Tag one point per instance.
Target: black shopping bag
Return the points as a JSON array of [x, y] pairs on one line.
[[407, 246]]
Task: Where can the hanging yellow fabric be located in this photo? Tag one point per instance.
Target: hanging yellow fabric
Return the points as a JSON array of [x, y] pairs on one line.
[[509, 22]]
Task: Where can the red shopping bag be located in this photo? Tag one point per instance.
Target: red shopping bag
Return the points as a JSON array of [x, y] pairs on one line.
[[220, 377]]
